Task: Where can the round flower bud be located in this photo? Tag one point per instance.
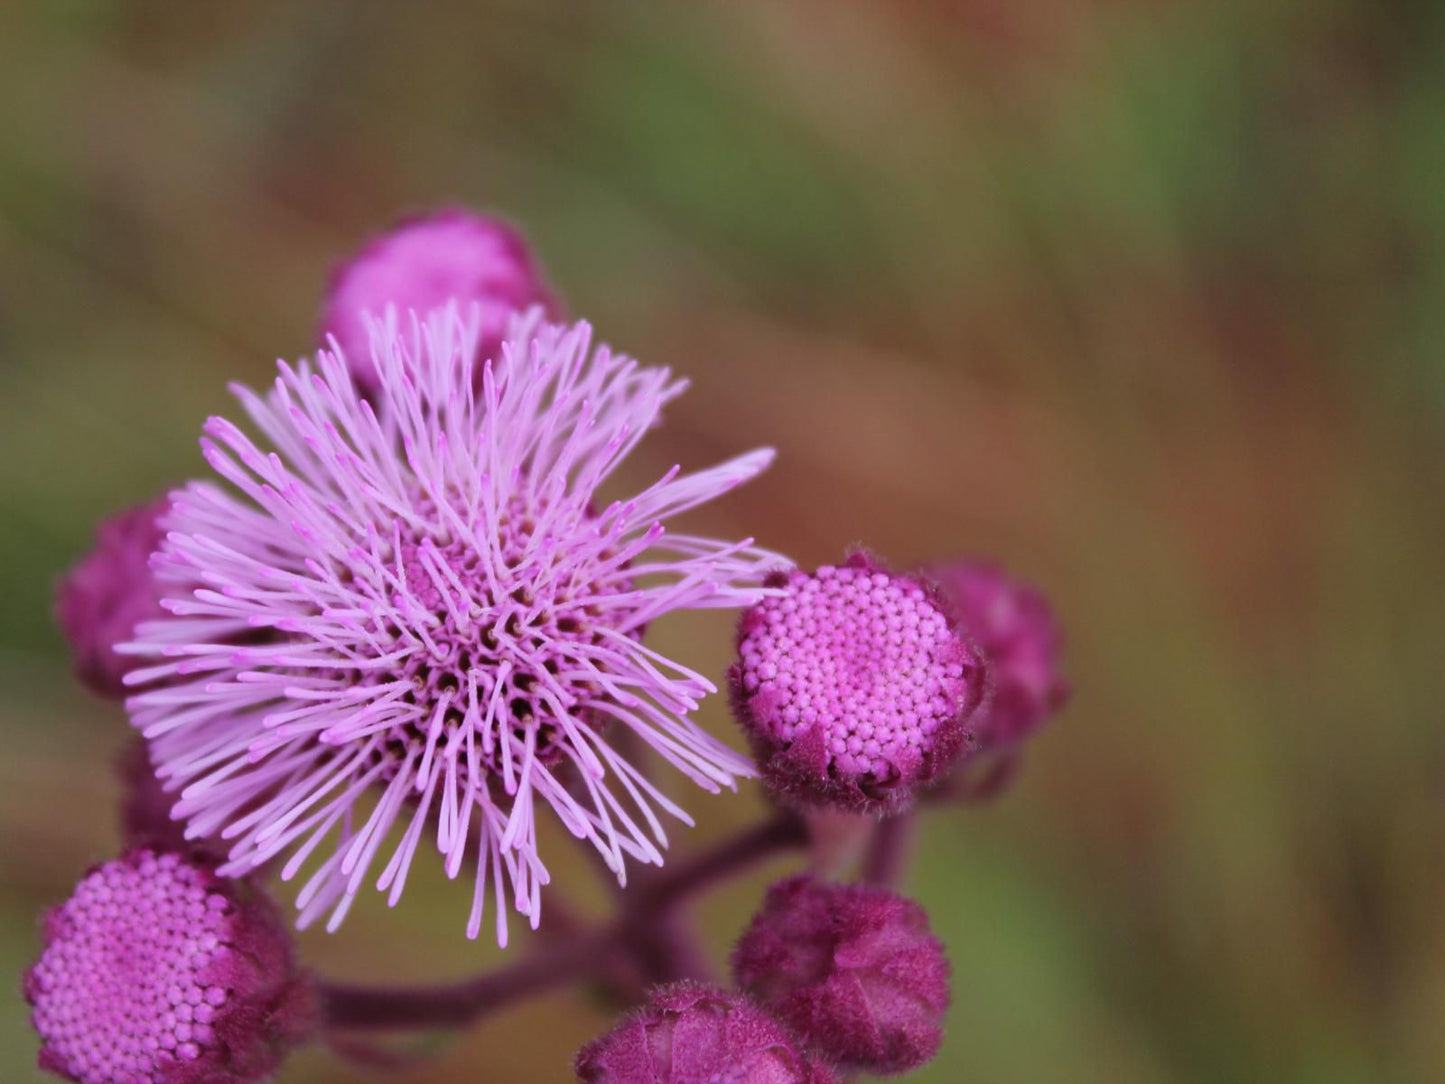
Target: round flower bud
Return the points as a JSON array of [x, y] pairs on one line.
[[1019, 636], [156, 971], [854, 687], [689, 1033], [100, 601], [422, 263], [853, 968]]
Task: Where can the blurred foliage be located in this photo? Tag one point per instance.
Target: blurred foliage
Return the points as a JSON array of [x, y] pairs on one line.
[[1145, 297]]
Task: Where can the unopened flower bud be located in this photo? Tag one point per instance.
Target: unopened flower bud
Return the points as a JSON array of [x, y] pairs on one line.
[[689, 1033], [854, 687], [100, 601], [424, 262], [156, 971], [1019, 636], [852, 968]]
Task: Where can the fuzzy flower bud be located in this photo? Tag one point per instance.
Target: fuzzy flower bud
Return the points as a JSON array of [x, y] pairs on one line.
[[421, 264], [1020, 638], [854, 687], [689, 1033], [156, 971], [100, 601], [854, 968]]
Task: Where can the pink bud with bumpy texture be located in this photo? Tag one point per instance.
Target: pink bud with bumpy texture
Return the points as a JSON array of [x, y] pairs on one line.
[[853, 968], [424, 262], [854, 686], [689, 1033], [156, 971], [100, 601], [1021, 639]]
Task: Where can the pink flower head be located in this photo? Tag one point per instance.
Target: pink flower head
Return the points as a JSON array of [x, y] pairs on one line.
[[1017, 631], [421, 264], [100, 601], [426, 603], [854, 686], [854, 968], [694, 1034], [156, 971]]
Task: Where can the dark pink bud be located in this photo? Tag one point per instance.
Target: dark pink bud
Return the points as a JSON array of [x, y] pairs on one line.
[[424, 262], [1016, 629], [156, 971], [854, 686], [853, 968], [100, 601], [695, 1034], [145, 807]]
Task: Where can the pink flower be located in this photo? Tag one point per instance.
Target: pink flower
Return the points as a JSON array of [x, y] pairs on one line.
[[694, 1034], [853, 968], [1019, 635], [158, 972], [421, 264], [100, 601], [426, 603], [854, 687]]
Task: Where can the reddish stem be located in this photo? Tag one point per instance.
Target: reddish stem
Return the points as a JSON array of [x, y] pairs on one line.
[[375, 1008], [889, 850], [645, 928]]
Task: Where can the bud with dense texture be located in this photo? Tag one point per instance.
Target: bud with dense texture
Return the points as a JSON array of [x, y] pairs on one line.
[[695, 1034], [853, 968], [854, 686], [156, 971]]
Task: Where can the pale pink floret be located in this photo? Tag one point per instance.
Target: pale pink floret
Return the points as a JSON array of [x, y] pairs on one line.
[[426, 604]]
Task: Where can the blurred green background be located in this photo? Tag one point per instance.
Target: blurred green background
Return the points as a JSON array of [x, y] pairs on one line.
[[1145, 297]]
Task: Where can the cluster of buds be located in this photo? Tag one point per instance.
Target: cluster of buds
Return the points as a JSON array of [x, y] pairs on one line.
[[411, 614], [833, 978]]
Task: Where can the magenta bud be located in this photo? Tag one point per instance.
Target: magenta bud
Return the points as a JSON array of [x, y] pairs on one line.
[[108, 592], [1019, 636], [854, 687], [854, 969], [424, 262], [157, 971], [689, 1033], [145, 807]]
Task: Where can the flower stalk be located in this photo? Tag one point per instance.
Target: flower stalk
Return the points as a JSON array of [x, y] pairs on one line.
[[645, 935]]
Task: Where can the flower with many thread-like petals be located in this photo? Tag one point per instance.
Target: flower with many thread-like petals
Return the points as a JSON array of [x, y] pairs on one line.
[[425, 603], [156, 971]]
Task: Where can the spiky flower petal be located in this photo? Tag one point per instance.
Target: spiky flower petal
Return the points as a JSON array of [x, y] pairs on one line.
[[422, 617]]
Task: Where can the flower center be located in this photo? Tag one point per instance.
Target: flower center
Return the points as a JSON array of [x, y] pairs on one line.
[[497, 632]]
